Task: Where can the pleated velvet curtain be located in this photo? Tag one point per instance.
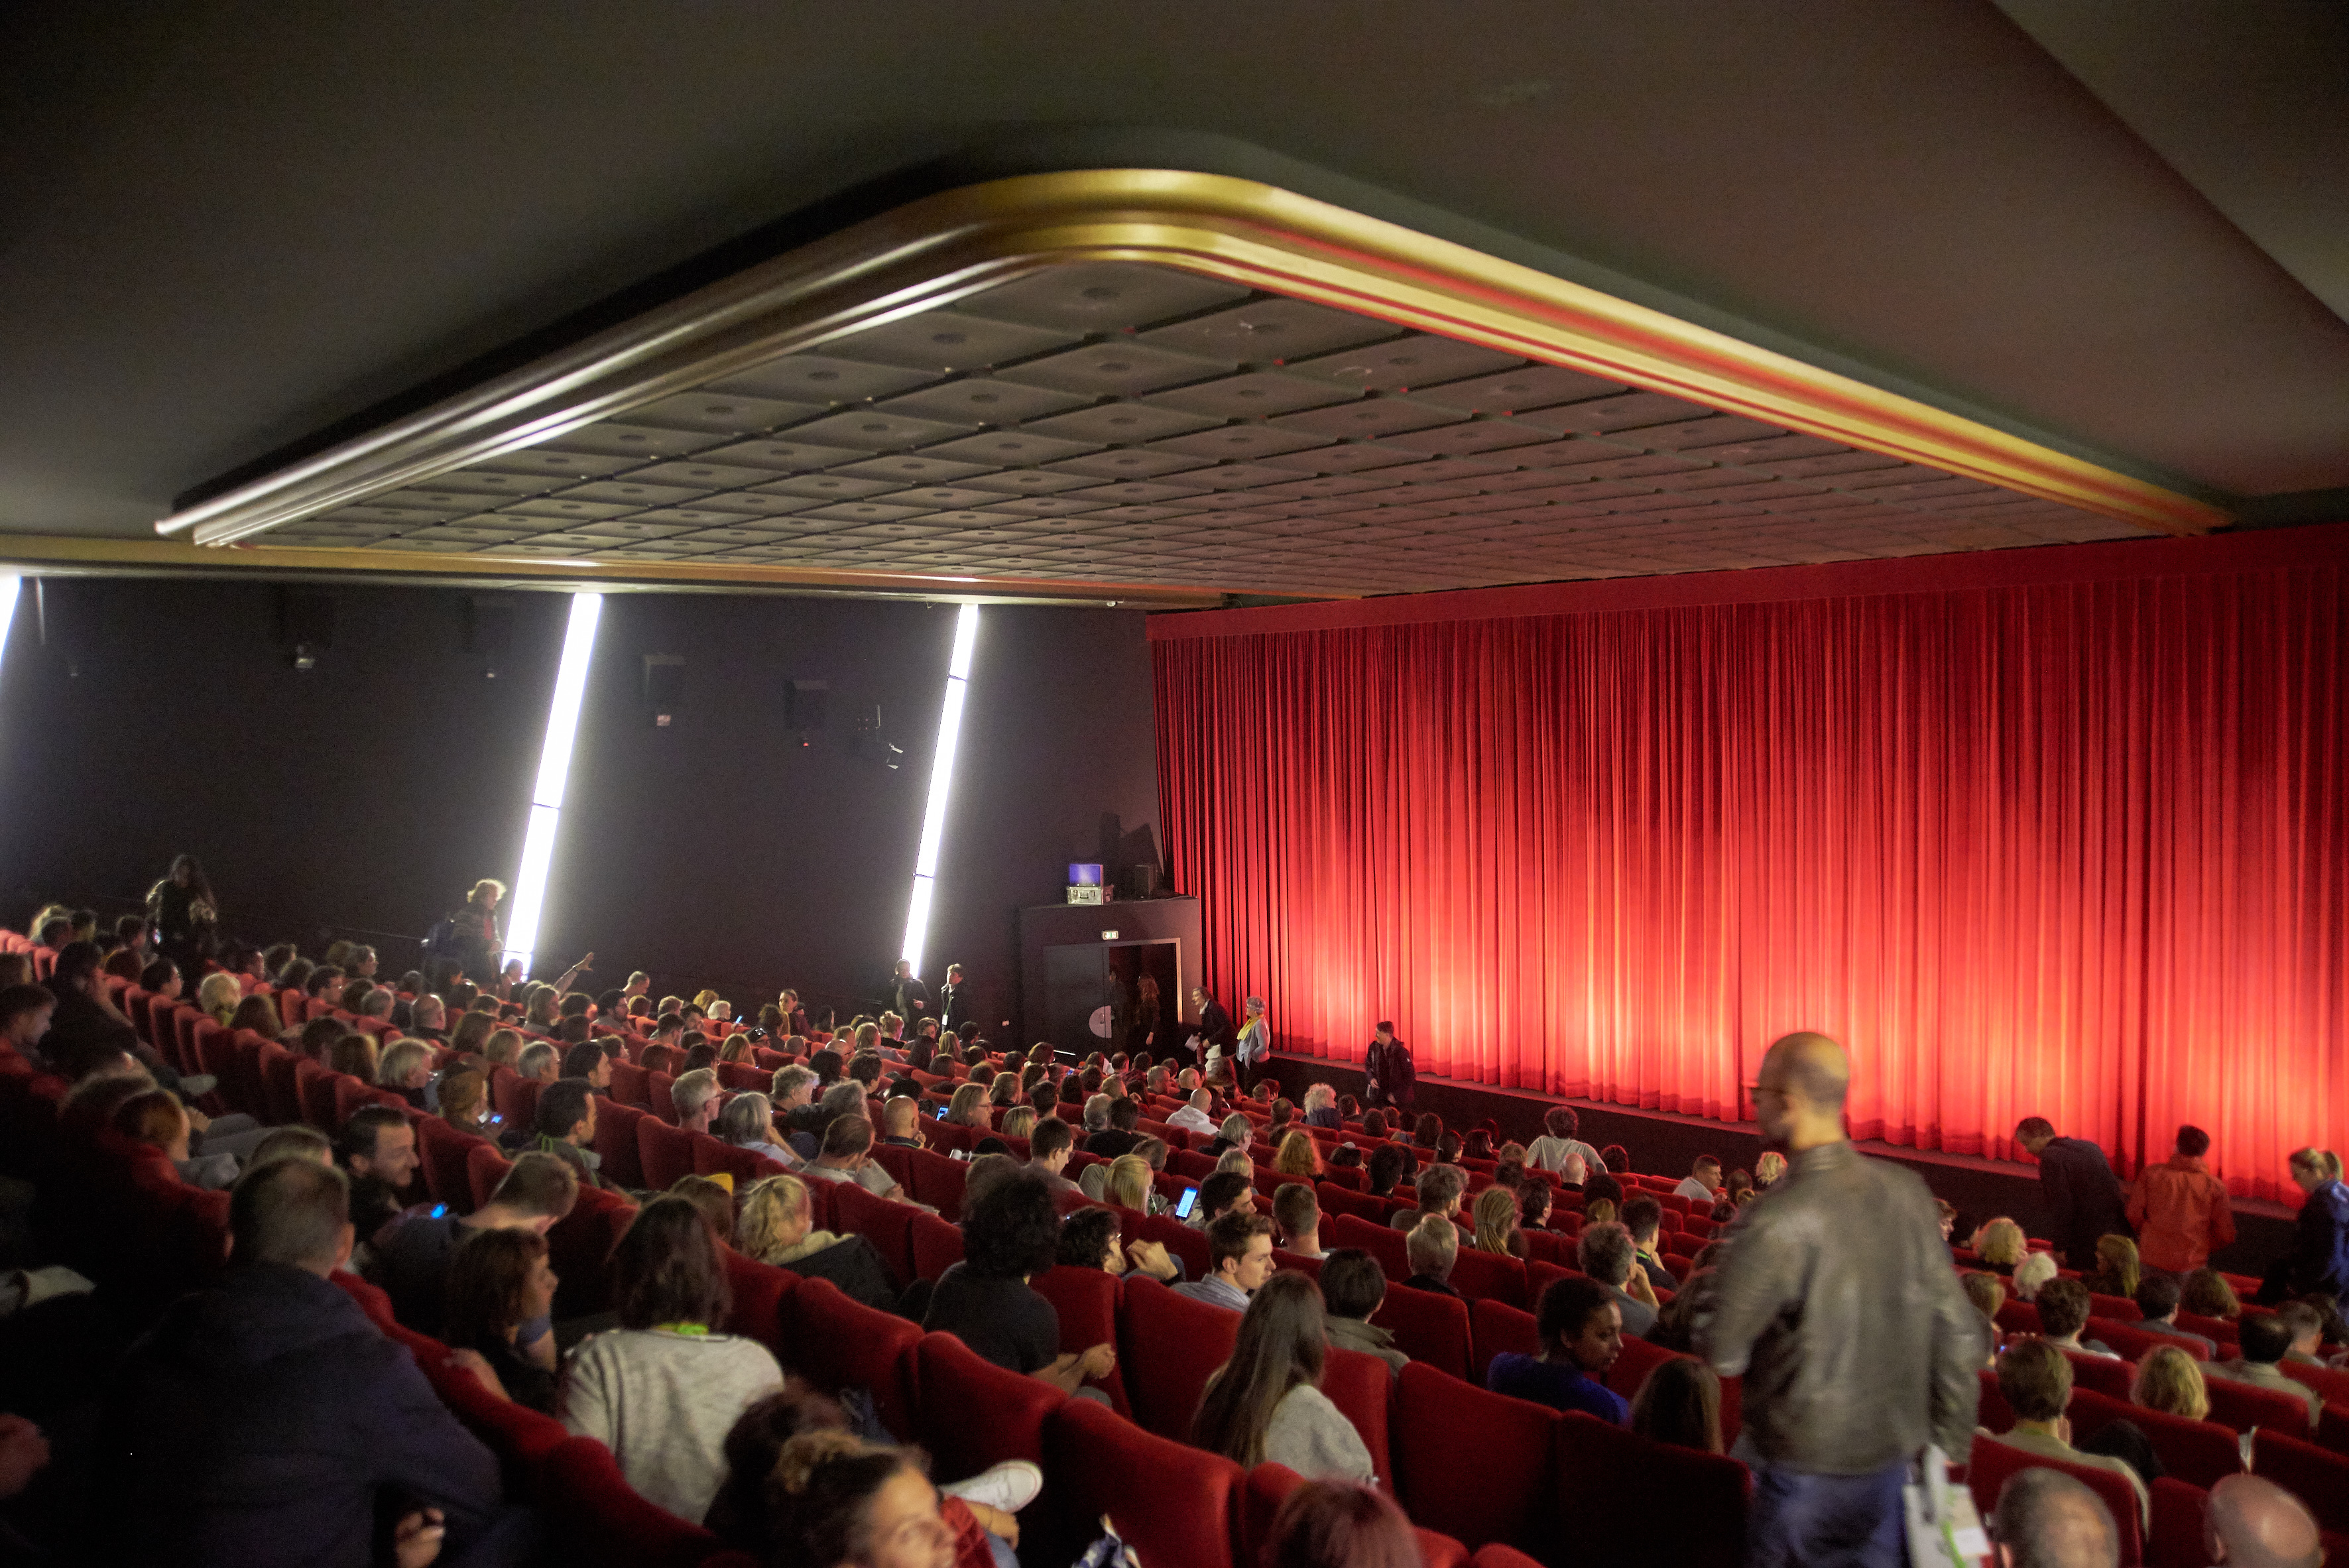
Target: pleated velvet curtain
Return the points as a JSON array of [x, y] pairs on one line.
[[2073, 850]]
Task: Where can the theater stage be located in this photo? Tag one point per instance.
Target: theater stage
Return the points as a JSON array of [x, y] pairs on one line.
[[1667, 1144]]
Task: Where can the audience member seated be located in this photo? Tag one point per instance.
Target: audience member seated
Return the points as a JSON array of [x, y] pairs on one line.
[[1091, 1239], [410, 1258], [2207, 1294], [264, 1419], [1352, 1287], [24, 1014], [566, 1126], [498, 1287], [1051, 1143], [378, 1151], [901, 1122], [662, 1390], [1010, 1235], [1581, 1331], [292, 1142], [713, 1199], [1266, 1403], [696, 1097], [774, 1226], [2264, 1342], [155, 1117], [1997, 1245], [1236, 1134], [405, 1069], [465, 1096], [2032, 1273], [2036, 1381], [2252, 1523], [2168, 1380], [1195, 1118], [1680, 1402], [1703, 1183], [1605, 1253], [2157, 1299], [1298, 1156], [1297, 1214], [86, 1030], [1440, 1188], [837, 1502], [747, 1122], [1496, 1223], [1431, 1248], [2116, 1272], [2046, 1519], [1224, 1192], [1239, 1260], [847, 1156], [1560, 1126], [1128, 1186], [1988, 1294], [1643, 1216], [1321, 1108], [2064, 1312], [1534, 1208]]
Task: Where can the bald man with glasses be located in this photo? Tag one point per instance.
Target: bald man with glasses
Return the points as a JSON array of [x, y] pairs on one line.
[[1836, 1301]]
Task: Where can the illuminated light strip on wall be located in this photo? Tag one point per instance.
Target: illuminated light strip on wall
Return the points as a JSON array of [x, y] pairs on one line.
[[553, 773], [9, 585], [934, 817]]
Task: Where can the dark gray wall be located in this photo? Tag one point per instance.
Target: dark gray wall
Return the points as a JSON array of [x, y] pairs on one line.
[[369, 793]]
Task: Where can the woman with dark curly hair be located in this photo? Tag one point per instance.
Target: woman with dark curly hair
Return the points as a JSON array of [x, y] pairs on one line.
[[680, 1383], [1009, 1236]]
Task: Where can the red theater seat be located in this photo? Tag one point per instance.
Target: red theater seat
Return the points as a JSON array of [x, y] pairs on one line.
[[596, 1520], [1363, 1388], [664, 1152], [513, 1097], [1472, 1463], [615, 1142], [2132, 1342], [442, 1151], [484, 1169], [1384, 1242], [1168, 1346], [974, 1414], [2200, 1453], [1174, 1504], [280, 1088], [935, 1245], [2244, 1406], [713, 1157], [758, 1290], [2102, 1373], [1489, 1276], [1631, 1500], [887, 1225], [2318, 1476], [937, 1181], [351, 1096], [1496, 1328], [656, 1096], [579, 1249], [1180, 1239], [2331, 1384], [1993, 1461], [1086, 1301], [1632, 1367], [631, 1085], [841, 1344], [1431, 1329]]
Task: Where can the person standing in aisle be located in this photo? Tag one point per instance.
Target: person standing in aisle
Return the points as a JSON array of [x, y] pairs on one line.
[[909, 995], [954, 1004], [187, 918], [1214, 1031], [1254, 1053], [1390, 1077]]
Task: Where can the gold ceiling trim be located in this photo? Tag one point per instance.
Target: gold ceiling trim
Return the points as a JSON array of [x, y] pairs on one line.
[[942, 248], [65, 553]]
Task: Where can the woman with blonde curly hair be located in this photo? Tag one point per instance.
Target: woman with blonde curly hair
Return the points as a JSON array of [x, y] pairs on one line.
[[1497, 1225], [1129, 1185], [1017, 1122], [2032, 1273], [217, 994], [1298, 1156], [2168, 1380], [1999, 1244]]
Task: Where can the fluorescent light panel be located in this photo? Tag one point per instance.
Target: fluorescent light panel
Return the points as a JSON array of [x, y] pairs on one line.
[[553, 778], [934, 815], [9, 585]]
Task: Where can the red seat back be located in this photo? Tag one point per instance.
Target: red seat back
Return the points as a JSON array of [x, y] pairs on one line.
[[1086, 1301], [1496, 1328], [597, 1520], [1489, 1276], [889, 1226], [1431, 1329], [631, 1085], [1363, 1388], [1632, 1367], [2018, 1317], [1992, 1462], [484, 1169], [1171, 1503], [758, 1290], [1472, 1463], [516, 1098], [2200, 1453], [1168, 1346], [711, 1156], [315, 1085], [840, 1343], [2331, 1384], [2133, 1342], [1384, 1242], [2243, 1406], [665, 1152], [444, 1152], [1633, 1500], [2113, 1308], [656, 1096], [281, 1091], [937, 1181], [956, 1385], [935, 1245], [615, 1143], [1179, 1239], [2102, 1373], [2317, 1476], [351, 1095]]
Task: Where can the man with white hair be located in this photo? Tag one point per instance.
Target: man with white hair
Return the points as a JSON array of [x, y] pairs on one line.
[[1322, 1107], [694, 1095], [1196, 1117]]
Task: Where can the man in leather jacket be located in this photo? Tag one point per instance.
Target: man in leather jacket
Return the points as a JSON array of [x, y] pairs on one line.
[[1836, 1301]]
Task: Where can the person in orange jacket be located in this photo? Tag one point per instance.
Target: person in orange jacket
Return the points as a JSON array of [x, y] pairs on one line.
[[2180, 1209]]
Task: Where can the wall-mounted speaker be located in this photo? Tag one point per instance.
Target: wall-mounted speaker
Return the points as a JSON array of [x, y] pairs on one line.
[[663, 688]]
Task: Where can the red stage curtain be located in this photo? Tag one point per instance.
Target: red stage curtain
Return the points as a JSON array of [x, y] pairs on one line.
[[2073, 849]]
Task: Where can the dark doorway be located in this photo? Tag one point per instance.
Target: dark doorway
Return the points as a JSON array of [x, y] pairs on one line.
[[1096, 998]]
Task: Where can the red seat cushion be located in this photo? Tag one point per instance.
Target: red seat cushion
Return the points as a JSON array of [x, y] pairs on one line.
[[957, 1386], [1489, 1276], [615, 1142], [1168, 1346], [840, 1343], [1471, 1463], [1384, 1242], [1172, 1503]]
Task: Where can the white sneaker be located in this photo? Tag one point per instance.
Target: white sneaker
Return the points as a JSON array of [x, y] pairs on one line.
[[195, 1084], [1007, 1488]]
